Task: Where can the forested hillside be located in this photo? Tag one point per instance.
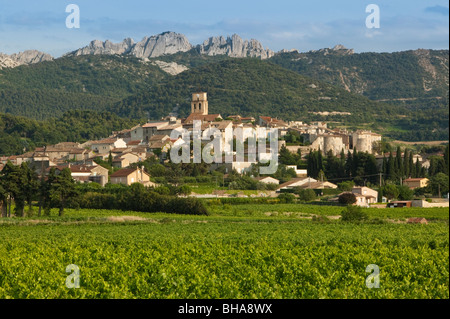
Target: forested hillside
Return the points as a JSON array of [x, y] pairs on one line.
[[251, 87], [401, 95], [19, 134], [379, 76], [51, 88]]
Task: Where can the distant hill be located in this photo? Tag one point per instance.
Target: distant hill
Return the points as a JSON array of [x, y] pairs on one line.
[[403, 95], [397, 76], [49, 89], [19, 134], [250, 87]]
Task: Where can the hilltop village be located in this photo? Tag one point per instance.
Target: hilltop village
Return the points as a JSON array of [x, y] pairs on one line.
[[126, 150], [154, 139]]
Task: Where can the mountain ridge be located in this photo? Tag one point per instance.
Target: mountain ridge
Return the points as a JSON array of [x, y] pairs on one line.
[[23, 58]]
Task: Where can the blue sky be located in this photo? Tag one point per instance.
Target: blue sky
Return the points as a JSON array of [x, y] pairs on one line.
[[303, 25]]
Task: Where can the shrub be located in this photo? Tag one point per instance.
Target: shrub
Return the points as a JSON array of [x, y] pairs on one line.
[[353, 214], [306, 195], [347, 199], [190, 180], [203, 179], [185, 190], [286, 198], [187, 206]]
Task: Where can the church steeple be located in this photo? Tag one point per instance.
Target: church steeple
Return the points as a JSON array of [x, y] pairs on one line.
[[199, 104]]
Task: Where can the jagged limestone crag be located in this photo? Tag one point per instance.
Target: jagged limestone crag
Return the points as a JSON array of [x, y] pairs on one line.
[[98, 47], [26, 57], [164, 44], [234, 47], [150, 47], [169, 43]]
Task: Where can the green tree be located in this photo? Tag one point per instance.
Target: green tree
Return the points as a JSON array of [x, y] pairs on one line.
[[399, 163], [285, 156], [12, 180], [390, 191], [391, 170], [63, 189], [349, 164], [404, 193], [30, 186], [439, 184], [346, 186], [406, 168], [418, 170]]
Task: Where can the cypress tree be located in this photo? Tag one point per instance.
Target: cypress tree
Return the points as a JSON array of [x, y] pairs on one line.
[[399, 163], [412, 168], [391, 168], [406, 168], [384, 166], [342, 165], [319, 161], [418, 170], [349, 164]]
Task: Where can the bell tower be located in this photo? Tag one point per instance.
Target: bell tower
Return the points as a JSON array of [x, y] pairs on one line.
[[199, 104]]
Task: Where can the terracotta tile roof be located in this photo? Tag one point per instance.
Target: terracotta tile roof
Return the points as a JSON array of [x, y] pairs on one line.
[[105, 141], [126, 172], [134, 143], [201, 117]]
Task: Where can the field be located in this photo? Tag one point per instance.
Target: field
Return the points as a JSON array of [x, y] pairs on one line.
[[240, 251]]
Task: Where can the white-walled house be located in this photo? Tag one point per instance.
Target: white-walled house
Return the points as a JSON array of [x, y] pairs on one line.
[[106, 145]]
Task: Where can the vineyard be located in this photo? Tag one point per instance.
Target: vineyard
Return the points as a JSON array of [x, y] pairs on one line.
[[245, 254]]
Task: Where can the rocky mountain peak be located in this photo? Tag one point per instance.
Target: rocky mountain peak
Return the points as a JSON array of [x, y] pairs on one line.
[[98, 47], [338, 49], [163, 44], [25, 57], [234, 46]]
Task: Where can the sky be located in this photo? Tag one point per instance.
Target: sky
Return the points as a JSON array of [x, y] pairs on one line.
[[277, 24]]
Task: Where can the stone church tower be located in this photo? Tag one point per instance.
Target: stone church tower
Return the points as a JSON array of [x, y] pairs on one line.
[[199, 104]]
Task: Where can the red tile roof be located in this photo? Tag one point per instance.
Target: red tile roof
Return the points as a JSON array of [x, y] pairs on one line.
[[126, 172], [201, 117]]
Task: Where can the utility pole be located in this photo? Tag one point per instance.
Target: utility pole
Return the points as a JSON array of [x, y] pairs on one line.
[[380, 179]]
